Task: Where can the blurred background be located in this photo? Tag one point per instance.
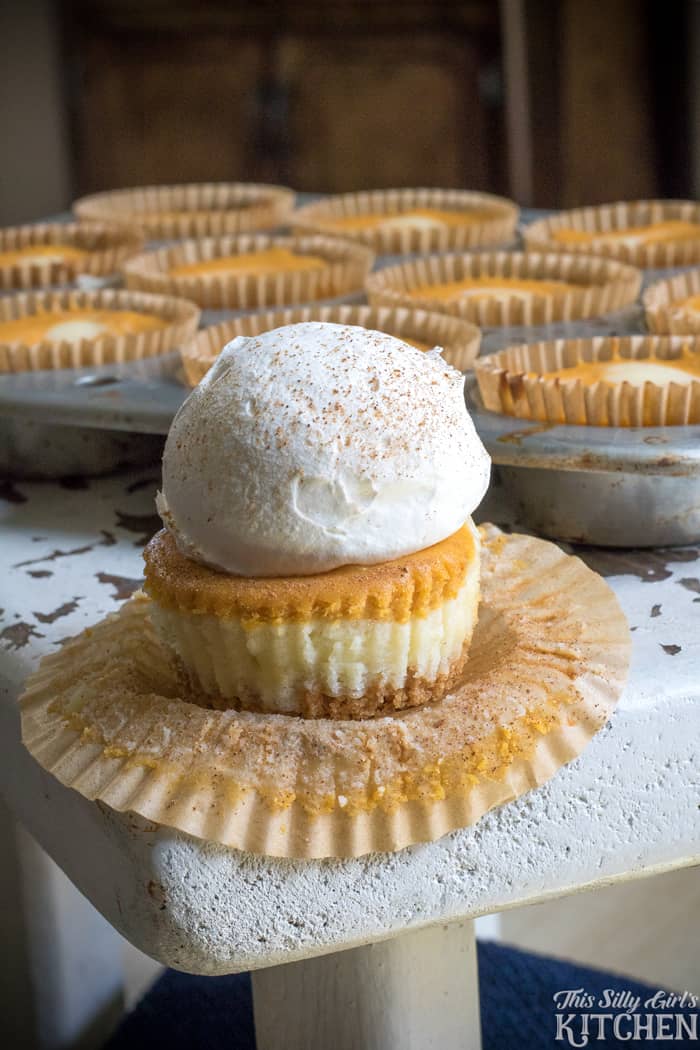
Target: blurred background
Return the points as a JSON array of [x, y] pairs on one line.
[[553, 102]]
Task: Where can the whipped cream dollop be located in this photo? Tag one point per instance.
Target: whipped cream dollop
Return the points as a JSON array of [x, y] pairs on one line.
[[319, 445]]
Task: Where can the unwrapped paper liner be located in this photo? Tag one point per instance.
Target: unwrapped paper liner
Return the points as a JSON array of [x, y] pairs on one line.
[[107, 716], [108, 248], [605, 286], [182, 318], [198, 209], [346, 267], [458, 339], [662, 313], [493, 225], [619, 216], [512, 382]]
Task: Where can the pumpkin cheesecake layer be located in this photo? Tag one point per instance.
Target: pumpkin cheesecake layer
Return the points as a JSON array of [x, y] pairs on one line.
[[347, 643], [492, 287], [414, 217], [651, 233], [73, 325], [43, 253], [265, 261], [625, 370], [242, 273]]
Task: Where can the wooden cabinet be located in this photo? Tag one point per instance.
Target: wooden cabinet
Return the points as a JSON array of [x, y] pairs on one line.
[[332, 96], [556, 102]]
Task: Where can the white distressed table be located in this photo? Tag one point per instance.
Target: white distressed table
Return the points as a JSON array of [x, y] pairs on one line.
[[629, 806]]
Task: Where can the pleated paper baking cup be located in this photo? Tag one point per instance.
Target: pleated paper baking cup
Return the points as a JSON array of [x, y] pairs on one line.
[[476, 220], [516, 381], [458, 339], [667, 305], [568, 231], [179, 316], [598, 286], [105, 249], [206, 209], [345, 267], [109, 716]]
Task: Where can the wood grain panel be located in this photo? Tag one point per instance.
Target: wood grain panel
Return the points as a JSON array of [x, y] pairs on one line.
[[167, 109], [606, 137], [395, 111]]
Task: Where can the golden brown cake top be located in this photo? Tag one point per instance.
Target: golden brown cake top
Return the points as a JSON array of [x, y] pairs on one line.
[[394, 590]]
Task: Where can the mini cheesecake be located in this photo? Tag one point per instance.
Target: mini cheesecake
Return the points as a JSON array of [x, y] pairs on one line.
[[402, 221], [318, 557], [355, 642], [507, 288], [241, 273], [628, 381], [190, 210]]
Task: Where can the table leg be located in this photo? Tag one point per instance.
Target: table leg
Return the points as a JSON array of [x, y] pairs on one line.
[[416, 992], [62, 978]]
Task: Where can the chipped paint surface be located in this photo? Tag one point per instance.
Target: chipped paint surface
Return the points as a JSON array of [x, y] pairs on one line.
[[69, 554], [17, 635], [123, 586], [649, 566], [63, 610], [627, 805]]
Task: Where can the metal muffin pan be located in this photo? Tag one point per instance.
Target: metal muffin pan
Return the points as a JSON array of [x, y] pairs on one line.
[[144, 395], [606, 486]]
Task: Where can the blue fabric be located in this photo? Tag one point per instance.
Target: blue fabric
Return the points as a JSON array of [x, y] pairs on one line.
[[181, 1012]]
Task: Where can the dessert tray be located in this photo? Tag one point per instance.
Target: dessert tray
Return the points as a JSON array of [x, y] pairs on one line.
[[601, 485], [145, 395], [609, 486]]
